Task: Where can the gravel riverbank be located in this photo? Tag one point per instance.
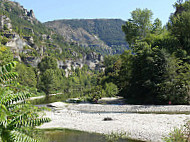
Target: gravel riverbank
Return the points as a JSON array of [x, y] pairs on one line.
[[89, 117]]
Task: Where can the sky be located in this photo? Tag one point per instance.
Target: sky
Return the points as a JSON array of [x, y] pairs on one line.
[[49, 10]]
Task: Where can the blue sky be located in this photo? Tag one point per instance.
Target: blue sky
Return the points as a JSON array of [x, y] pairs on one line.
[[48, 10]]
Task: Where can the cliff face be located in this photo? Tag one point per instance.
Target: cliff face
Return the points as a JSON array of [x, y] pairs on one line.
[[93, 60], [30, 41], [18, 46]]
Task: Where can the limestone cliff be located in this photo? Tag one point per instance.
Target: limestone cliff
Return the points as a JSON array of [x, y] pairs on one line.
[[30, 40]]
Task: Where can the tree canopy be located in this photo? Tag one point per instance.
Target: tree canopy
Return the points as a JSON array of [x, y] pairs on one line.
[[138, 26]]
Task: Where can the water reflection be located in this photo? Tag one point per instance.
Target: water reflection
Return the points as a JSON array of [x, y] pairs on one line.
[[66, 135], [51, 99]]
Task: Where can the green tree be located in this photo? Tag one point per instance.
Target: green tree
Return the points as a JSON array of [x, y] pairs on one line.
[[27, 76], [157, 78], [47, 63], [179, 25], [131, 31], [158, 69], [49, 81], [143, 19], [5, 27], [157, 26], [125, 70], [111, 89], [138, 26]]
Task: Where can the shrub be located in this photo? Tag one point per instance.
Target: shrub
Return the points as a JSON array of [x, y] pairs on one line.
[[179, 135]]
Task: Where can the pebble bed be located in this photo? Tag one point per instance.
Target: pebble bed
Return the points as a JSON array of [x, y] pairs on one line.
[[90, 118]]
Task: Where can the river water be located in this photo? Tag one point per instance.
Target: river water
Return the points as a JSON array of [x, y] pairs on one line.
[[65, 135]]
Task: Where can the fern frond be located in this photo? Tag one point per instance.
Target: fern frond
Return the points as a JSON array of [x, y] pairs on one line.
[[15, 112], [10, 98], [30, 123], [7, 77], [19, 106], [5, 72], [16, 136], [3, 116]]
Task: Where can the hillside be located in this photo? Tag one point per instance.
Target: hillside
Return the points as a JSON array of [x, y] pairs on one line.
[[103, 35], [31, 41]]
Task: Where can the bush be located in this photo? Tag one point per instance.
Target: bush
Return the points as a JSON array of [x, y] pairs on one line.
[[114, 137], [111, 89], [179, 135]]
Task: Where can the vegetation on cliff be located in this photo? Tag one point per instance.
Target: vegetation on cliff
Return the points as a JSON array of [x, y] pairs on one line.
[[107, 30], [43, 40]]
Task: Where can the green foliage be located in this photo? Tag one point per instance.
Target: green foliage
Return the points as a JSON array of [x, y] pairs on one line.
[[138, 27], [179, 26], [112, 67], [16, 115], [156, 71], [48, 81], [115, 137], [109, 30], [111, 89], [5, 74], [179, 135], [27, 76], [131, 31], [47, 63], [5, 27], [4, 40], [95, 93], [156, 78], [176, 136], [142, 18], [157, 26], [6, 56]]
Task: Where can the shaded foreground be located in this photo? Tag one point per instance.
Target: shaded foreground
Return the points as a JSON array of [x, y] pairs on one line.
[[66, 135], [89, 118]]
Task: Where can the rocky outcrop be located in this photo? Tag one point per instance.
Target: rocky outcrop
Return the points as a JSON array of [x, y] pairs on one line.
[[5, 22], [29, 39], [47, 37], [18, 46], [26, 50], [16, 43], [33, 61], [31, 14], [93, 60]]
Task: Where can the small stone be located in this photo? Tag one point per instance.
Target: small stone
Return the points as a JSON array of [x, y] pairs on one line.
[[107, 119]]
